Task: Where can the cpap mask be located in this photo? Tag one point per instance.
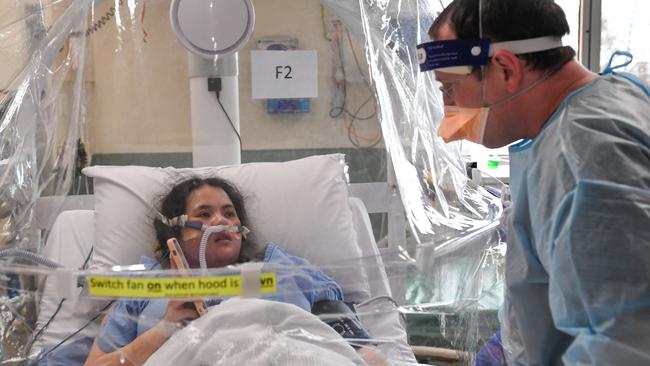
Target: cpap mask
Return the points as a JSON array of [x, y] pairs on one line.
[[240, 232]]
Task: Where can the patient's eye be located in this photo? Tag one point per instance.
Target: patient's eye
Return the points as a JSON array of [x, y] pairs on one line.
[[203, 215], [230, 214]]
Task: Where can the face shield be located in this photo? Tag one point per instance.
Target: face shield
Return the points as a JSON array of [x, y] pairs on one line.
[[457, 59]]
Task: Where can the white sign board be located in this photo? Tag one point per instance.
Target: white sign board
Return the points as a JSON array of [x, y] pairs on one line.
[[284, 74]]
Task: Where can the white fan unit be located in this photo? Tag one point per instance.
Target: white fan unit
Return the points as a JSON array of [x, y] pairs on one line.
[[212, 27]]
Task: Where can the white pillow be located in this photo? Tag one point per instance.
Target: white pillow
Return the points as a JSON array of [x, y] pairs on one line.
[[69, 243], [301, 205]]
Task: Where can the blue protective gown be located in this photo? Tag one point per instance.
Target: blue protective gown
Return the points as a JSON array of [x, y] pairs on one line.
[[578, 260]]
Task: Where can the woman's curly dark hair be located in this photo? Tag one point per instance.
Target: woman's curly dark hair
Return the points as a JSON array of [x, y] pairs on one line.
[[174, 203]]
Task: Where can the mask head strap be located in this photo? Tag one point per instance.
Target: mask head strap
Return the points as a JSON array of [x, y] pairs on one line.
[[174, 221], [198, 225], [183, 221], [243, 230]]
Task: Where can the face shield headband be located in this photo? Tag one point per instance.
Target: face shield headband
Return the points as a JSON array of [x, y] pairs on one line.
[[459, 56]]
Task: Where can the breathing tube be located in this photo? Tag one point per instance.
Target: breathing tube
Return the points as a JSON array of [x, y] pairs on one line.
[[32, 257], [183, 221]]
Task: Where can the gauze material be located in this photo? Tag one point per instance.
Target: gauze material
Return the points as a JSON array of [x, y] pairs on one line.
[[578, 259], [257, 333]]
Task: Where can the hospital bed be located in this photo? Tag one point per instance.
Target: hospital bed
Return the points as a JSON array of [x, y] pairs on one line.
[[313, 216]]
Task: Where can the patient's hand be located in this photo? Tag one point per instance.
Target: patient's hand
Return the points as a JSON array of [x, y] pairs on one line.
[[179, 313], [138, 351]]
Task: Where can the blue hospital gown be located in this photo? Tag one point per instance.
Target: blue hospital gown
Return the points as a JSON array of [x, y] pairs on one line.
[[299, 286], [578, 260]]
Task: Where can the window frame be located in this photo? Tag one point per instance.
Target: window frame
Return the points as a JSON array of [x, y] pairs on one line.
[[590, 34]]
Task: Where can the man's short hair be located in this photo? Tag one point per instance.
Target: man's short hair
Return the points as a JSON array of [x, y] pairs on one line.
[[510, 20]]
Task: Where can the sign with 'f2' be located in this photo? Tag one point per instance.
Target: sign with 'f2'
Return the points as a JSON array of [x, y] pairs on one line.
[[284, 74]]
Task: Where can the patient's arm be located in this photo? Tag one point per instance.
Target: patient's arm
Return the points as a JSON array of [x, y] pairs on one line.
[[135, 353], [140, 349]]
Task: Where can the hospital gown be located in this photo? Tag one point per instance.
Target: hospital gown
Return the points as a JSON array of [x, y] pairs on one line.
[[300, 286], [578, 260]]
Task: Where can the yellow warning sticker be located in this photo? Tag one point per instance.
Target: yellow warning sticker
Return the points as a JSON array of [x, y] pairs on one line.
[[174, 287]]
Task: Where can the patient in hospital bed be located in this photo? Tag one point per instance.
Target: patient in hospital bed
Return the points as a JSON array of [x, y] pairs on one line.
[[135, 329]]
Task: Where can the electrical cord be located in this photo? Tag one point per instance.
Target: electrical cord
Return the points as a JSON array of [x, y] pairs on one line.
[[99, 313], [341, 86], [40, 331], [370, 97], [336, 112], [56, 312], [232, 125], [85, 265], [356, 61], [214, 85], [99, 24]]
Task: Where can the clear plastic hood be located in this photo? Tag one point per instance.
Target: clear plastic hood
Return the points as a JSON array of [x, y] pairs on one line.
[[360, 216]]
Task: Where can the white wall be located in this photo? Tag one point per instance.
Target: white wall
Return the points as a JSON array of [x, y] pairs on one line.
[[141, 94]]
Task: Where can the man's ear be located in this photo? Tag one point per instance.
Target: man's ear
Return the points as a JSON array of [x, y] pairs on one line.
[[510, 69]]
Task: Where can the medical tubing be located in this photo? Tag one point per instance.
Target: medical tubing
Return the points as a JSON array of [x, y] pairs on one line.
[[29, 256], [204, 241]]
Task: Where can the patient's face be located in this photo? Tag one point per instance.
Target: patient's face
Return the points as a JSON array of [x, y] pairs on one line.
[[212, 206]]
